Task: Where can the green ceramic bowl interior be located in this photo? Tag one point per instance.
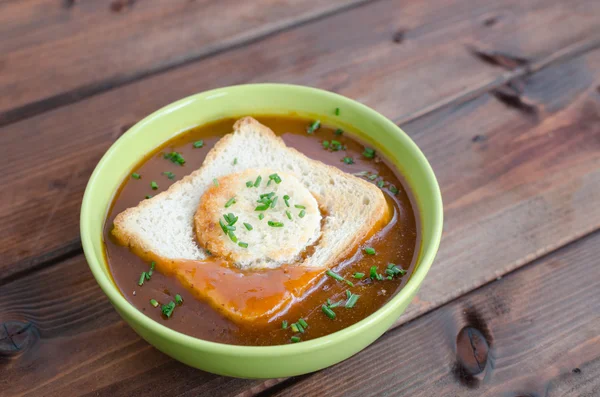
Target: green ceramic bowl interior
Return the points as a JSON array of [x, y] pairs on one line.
[[271, 361]]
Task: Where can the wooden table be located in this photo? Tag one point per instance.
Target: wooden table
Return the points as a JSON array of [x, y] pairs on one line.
[[502, 96]]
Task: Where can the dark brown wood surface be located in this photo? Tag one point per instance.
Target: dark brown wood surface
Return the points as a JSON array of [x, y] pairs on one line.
[[506, 109]]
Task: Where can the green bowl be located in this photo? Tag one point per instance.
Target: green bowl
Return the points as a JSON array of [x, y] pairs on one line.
[[257, 99]]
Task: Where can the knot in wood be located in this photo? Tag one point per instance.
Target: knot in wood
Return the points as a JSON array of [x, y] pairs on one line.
[[471, 350], [16, 336]]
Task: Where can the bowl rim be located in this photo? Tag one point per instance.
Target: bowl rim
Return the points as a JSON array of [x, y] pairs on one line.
[[123, 306]]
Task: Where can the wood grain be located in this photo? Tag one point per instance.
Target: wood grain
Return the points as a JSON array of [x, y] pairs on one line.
[[525, 187], [55, 52], [41, 202], [541, 325]]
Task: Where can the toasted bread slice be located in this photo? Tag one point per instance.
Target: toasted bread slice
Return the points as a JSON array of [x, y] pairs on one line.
[[163, 225]]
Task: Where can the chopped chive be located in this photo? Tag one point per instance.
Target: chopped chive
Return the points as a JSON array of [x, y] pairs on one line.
[[335, 146], [300, 206], [232, 236], [286, 198], [294, 327], [336, 304], [314, 126], [373, 272], [235, 161], [243, 245], [295, 339], [335, 275], [215, 182], [390, 265], [358, 275], [302, 213], [303, 323], [348, 294], [369, 153], [230, 202], [147, 276], [325, 144], [178, 299], [275, 224], [348, 160], [148, 196], [289, 215], [152, 266], [389, 277], [249, 184], [276, 178], [328, 312], [380, 184], [230, 219], [223, 226], [273, 202], [300, 327], [328, 302], [175, 157], [153, 302], [248, 226], [167, 309], [339, 131], [393, 189], [262, 207], [352, 301], [268, 183], [142, 278], [154, 185], [337, 111], [390, 272], [257, 182], [198, 144], [169, 174], [379, 276], [135, 175], [261, 216], [284, 324], [350, 283], [373, 177], [370, 251]]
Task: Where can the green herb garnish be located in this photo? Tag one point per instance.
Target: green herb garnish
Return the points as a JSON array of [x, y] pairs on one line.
[[302, 213], [142, 279], [235, 161], [275, 224], [325, 144], [370, 251], [232, 236], [300, 206], [286, 199], [339, 131], [294, 327], [248, 226], [348, 160], [380, 184], [393, 189], [337, 111], [335, 146], [335, 275], [198, 144], [262, 207], [154, 185], [249, 184], [215, 182], [261, 216], [275, 178], [135, 175], [148, 196], [373, 177], [230, 202], [373, 272], [243, 245], [169, 174], [152, 266], [295, 339], [369, 153], [352, 301], [303, 323], [273, 202], [289, 215], [167, 309], [178, 299], [284, 324], [328, 312], [257, 182], [358, 275], [175, 157], [153, 302], [314, 126]]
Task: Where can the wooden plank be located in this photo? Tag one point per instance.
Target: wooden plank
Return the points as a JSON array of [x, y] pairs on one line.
[[55, 52], [398, 79], [536, 332], [538, 181]]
